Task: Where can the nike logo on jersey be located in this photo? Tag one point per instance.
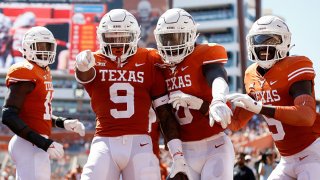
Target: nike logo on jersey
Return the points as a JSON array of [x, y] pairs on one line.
[[216, 146], [302, 158], [137, 65], [272, 82], [184, 68], [143, 144]]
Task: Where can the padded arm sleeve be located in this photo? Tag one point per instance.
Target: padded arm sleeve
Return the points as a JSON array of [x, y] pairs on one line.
[[11, 119]]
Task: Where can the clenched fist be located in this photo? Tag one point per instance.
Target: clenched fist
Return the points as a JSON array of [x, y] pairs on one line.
[[85, 60]]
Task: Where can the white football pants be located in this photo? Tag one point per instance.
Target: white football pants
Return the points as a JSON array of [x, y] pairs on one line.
[[211, 158], [129, 155], [31, 162]]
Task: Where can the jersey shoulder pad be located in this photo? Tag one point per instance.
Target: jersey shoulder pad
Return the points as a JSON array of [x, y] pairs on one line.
[[23, 71], [299, 68], [211, 53], [154, 56]]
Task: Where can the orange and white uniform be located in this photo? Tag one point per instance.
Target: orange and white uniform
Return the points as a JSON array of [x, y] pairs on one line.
[[273, 89], [203, 146], [121, 98], [36, 111], [298, 145]]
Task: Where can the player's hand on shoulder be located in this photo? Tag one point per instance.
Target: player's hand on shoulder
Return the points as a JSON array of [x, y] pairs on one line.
[[74, 125], [178, 98], [85, 60], [245, 101], [219, 112], [55, 151]]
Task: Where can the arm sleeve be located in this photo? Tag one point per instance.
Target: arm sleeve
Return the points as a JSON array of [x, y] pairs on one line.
[[303, 113], [240, 118], [11, 119]]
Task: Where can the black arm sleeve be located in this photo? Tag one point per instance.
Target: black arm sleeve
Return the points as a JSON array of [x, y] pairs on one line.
[[214, 70], [11, 119]]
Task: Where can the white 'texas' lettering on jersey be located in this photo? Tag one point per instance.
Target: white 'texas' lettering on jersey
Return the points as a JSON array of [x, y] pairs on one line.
[[267, 97], [178, 82], [122, 75]]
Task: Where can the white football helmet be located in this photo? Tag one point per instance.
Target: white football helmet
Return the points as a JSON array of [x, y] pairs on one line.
[[39, 46], [175, 34], [118, 31], [268, 41]]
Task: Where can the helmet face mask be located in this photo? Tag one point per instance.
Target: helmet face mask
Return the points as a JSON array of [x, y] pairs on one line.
[[175, 34], [268, 41], [39, 46], [118, 34]]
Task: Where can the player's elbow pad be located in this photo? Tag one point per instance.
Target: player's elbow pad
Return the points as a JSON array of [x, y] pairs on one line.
[[11, 119]]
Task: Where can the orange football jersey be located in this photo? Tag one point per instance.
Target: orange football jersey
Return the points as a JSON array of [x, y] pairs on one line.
[[121, 96], [273, 89], [187, 76], [36, 110]]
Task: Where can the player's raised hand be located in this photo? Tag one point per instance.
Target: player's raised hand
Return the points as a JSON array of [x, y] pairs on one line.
[[85, 60]]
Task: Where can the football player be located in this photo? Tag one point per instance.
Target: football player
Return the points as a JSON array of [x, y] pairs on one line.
[[281, 88], [195, 76], [27, 108], [123, 82]]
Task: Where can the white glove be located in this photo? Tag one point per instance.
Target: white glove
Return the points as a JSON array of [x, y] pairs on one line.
[[180, 165], [178, 98], [74, 125], [246, 102], [219, 112], [55, 150], [85, 60]]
